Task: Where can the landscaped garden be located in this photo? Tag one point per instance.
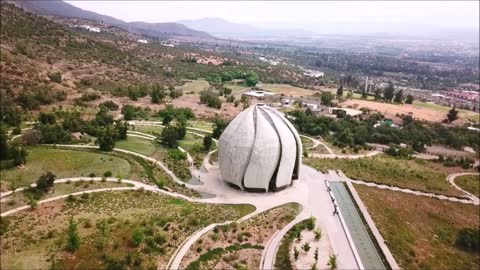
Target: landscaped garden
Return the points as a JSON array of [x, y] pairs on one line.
[[414, 174], [286, 257], [425, 233], [64, 163], [24, 197], [138, 145], [470, 183], [112, 230], [238, 245]]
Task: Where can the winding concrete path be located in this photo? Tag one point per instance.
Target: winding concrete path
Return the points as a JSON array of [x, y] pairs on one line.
[[152, 160], [317, 143], [451, 180]]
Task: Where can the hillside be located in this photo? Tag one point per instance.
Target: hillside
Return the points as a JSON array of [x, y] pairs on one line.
[[49, 63], [62, 9]]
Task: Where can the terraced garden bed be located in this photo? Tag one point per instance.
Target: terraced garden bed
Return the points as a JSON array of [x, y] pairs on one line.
[[122, 229]]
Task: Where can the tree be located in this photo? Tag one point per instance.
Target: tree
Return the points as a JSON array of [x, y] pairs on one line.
[[378, 94], [45, 181], [106, 139], [219, 126], [315, 255], [326, 98], [295, 253], [251, 79], [389, 92], [398, 96], [346, 137], [157, 94], [207, 142], [169, 136], [4, 151], [121, 129], [73, 239], [103, 234], [409, 99], [452, 115], [340, 91], [46, 118], [18, 153]]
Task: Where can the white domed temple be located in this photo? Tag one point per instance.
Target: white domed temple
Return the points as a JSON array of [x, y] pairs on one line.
[[260, 150]]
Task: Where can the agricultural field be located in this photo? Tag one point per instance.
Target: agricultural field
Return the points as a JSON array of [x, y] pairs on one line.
[[419, 110], [21, 198], [470, 183], [288, 90], [64, 163], [238, 245], [116, 230], [422, 232], [414, 174], [195, 86]]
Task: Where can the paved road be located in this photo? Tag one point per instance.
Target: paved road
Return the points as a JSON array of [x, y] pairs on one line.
[[451, 180], [371, 154]]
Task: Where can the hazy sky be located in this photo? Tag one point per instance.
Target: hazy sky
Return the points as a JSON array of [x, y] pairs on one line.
[[439, 13]]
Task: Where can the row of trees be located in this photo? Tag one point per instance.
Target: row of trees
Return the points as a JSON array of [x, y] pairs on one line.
[[251, 78], [351, 132]]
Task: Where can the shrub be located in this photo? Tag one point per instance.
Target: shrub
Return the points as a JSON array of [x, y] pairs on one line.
[[295, 253], [137, 237], [16, 131], [468, 240], [310, 223], [55, 77], [107, 174], [306, 246], [73, 239], [318, 234]]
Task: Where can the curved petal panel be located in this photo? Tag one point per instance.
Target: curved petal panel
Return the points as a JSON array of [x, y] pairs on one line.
[[265, 155]]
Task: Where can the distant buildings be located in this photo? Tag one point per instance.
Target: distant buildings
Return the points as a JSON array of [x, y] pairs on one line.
[[144, 41], [259, 94], [314, 73], [88, 27]]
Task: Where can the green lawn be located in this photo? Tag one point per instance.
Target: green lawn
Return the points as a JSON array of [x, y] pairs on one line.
[[420, 231], [64, 163], [138, 145], [143, 231], [414, 174], [153, 130], [201, 124], [470, 183]]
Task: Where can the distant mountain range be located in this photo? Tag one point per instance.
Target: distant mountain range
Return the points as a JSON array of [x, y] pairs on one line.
[[224, 29], [63, 9]]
